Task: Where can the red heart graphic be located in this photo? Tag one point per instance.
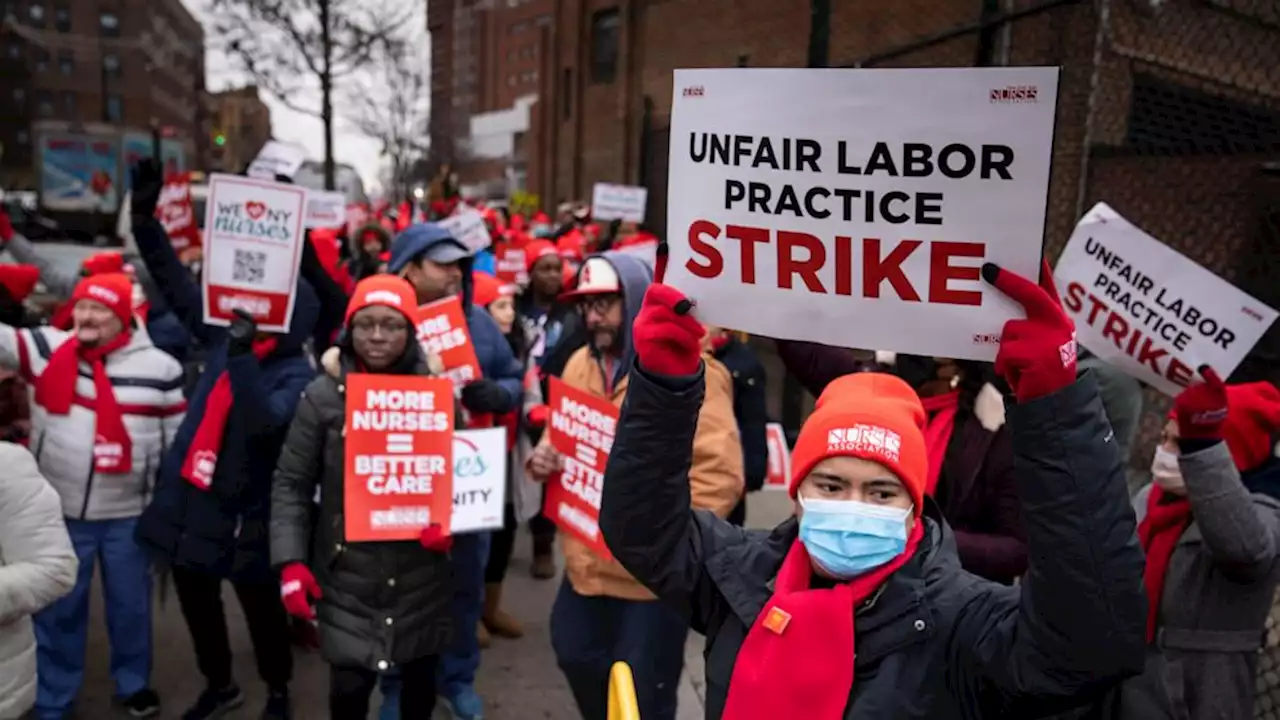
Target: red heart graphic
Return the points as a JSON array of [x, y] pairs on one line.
[[255, 209]]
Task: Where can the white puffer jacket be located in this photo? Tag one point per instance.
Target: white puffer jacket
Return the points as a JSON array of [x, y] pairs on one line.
[[148, 387], [37, 566]]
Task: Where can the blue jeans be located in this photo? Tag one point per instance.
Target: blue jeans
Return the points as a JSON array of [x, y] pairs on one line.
[[589, 634], [61, 628], [389, 686], [458, 664]]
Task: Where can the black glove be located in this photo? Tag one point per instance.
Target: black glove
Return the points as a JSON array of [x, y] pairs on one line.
[[485, 396], [241, 334], [148, 179]]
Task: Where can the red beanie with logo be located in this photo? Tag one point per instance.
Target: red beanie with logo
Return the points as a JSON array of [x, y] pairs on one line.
[[1253, 419], [113, 290], [873, 416], [386, 290], [537, 250]]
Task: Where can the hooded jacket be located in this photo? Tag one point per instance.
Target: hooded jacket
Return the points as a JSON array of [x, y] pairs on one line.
[[223, 530], [714, 481], [934, 641], [383, 601], [37, 566]]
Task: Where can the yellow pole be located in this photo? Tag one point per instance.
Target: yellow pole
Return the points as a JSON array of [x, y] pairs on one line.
[[622, 693]]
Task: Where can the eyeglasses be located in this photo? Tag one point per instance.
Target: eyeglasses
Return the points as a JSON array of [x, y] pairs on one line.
[[599, 304], [366, 327]]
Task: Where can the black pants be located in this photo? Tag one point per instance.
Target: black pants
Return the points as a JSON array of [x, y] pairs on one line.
[[350, 688], [201, 599], [500, 548], [540, 525]]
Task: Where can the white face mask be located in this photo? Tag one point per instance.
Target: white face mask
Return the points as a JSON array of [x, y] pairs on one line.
[[1166, 471], [139, 296]]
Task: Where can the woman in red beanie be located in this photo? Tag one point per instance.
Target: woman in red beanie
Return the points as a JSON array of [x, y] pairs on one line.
[[858, 607], [1211, 549]]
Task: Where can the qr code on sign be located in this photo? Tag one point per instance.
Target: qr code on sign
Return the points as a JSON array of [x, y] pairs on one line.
[[250, 267]]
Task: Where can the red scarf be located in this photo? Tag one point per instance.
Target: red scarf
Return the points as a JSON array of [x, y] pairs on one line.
[[56, 390], [1167, 517], [937, 434], [202, 456], [797, 660]]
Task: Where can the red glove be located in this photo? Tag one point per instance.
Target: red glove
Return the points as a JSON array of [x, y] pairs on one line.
[[6, 226], [1037, 356], [1201, 409], [668, 341], [435, 539], [538, 416], [297, 588]]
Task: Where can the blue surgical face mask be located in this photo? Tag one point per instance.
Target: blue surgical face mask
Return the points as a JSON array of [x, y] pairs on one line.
[[847, 538]]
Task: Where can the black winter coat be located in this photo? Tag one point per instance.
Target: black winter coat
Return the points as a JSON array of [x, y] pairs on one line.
[[749, 409], [385, 603], [936, 641]]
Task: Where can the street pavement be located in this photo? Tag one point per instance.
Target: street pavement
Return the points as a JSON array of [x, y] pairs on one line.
[[518, 678]]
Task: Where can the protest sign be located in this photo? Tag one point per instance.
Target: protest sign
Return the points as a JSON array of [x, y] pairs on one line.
[[510, 266], [253, 239], [357, 215], [581, 429], [479, 479], [779, 475], [326, 209], [800, 200], [1149, 310], [468, 228], [646, 252], [399, 456], [618, 202], [276, 158], [442, 330], [176, 212]]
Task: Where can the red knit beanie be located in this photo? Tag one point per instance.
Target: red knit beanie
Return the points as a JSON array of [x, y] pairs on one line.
[[873, 416], [103, 263], [537, 250], [114, 290], [19, 280], [388, 290], [1253, 417], [486, 288]]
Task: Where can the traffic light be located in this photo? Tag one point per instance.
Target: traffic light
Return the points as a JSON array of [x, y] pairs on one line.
[[219, 139]]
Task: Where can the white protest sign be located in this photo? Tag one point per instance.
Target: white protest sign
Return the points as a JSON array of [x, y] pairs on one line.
[[326, 209], [647, 252], [253, 235], [468, 228], [276, 158], [618, 202], [479, 479], [1149, 310], [856, 207]]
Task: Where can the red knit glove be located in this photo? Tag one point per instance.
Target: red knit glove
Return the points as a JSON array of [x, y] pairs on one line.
[[6, 226], [668, 341], [1201, 409], [297, 588], [1037, 356], [538, 416], [435, 539]]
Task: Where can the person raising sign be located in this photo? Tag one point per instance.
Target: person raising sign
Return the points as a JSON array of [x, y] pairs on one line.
[[858, 607]]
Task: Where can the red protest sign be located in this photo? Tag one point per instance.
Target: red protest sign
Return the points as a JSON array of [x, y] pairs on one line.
[[509, 264], [399, 456], [176, 213], [442, 330], [779, 475], [581, 429]]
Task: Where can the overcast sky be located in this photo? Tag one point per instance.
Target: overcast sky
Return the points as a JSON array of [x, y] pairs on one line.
[[292, 126]]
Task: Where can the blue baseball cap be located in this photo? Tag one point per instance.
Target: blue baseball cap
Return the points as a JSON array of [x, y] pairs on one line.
[[425, 241]]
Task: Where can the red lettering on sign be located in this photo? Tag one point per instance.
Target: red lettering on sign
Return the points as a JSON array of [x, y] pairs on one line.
[[1130, 340]]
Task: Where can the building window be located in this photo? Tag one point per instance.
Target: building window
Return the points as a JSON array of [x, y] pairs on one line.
[[40, 59], [115, 108], [1166, 117], [518, 27], [44, 103], [605, 26], [66, 63], [62, 19], [566, 94], [109, 24], [36, 14], [69, 104], [111, 65], [529, 77]]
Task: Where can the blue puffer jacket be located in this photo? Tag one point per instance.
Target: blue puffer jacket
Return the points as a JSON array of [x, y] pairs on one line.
[[223, 531], [168, 334]]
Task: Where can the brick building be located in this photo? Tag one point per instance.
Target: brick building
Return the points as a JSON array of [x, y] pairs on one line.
[[97, 76], [1169, 110], [240, 125]]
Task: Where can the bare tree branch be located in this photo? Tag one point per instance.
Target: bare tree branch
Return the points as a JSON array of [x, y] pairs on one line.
[[392, 106]]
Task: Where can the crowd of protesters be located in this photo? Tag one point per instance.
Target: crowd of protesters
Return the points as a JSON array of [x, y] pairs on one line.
[[991, 562]]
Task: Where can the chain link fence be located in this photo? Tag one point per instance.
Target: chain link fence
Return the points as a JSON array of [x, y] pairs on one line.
[[1169, 111]]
